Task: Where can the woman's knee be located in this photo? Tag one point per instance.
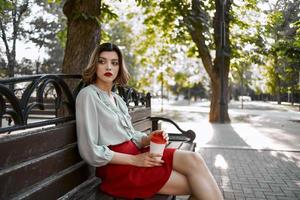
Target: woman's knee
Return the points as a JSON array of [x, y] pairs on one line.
[[195, 161], [188, 162]]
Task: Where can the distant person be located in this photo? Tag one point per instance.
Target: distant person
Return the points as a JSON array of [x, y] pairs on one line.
[[108, 141]]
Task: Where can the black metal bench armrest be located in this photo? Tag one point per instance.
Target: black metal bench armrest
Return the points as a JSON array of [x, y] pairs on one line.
[[188, 135]]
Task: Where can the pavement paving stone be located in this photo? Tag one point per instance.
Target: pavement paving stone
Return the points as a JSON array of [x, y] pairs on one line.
[[240, 198], [253, 174], [271, 198], [287, 198], [228, 195]]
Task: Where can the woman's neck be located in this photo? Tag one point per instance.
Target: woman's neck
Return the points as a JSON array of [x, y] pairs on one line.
[[104, 87]]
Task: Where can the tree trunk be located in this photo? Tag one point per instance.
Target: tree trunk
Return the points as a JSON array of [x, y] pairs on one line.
[[219, 68], [214, 114], [83, 33], [11, 66]]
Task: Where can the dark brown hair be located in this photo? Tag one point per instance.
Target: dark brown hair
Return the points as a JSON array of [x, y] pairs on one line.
[[89, 73]]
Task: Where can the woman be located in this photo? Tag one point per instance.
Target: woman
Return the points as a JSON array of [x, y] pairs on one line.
[[108, 141]]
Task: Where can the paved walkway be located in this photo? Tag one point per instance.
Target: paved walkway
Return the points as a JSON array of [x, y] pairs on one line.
[[253, 174], [256, 156]]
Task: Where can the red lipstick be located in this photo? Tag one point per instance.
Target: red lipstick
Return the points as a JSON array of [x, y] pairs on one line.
[[108, 74]]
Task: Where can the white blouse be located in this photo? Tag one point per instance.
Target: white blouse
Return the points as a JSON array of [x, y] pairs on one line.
[[99, 124]]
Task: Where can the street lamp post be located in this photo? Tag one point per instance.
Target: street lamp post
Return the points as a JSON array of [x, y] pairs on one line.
[[222, 78]]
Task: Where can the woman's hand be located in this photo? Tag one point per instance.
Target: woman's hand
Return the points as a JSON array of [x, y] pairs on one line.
[[146, 160], [146, 140]]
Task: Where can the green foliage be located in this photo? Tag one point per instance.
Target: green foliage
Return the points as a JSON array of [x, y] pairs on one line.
[[165, 18], [284, 51], [166, 31], [62, 37], [188, 89], [107, 14], [247, 47], [275, 21], [271, 46], [5, 5]]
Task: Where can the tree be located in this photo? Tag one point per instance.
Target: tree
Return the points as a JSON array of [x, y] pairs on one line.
[[178, 17], [12, 13], [281, 36], [83, 33]]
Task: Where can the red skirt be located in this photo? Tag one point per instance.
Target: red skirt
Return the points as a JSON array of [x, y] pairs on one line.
[[131, 182]]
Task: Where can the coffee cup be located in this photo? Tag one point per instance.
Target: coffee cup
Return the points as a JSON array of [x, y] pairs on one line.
[[157, 144]]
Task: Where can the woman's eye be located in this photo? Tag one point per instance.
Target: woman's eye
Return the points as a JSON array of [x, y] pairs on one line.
[[115, 63], [101, 61]]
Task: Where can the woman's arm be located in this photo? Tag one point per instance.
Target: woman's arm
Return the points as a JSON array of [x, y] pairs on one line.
[[140, 160], [87, 131]]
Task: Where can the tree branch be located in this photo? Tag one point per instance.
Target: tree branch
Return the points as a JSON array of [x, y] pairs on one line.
[[16, 21], [5, 40], [196, 28]]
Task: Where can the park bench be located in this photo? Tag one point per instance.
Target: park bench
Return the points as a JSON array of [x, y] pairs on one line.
[[42, 162]]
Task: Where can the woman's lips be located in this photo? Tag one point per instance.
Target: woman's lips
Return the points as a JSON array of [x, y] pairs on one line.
[[109, 74]]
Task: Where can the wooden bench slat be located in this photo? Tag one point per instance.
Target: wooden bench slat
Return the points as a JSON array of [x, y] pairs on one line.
[[84, 190], [97, 195], [16, 178], [140, 114], [144, 125], [55, 187], [18, 148]]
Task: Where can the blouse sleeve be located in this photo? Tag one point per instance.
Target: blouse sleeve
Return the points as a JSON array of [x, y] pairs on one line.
[[137, 138], [87, 132]]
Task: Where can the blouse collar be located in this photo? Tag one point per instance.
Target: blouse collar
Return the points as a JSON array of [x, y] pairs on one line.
[[105, 97]]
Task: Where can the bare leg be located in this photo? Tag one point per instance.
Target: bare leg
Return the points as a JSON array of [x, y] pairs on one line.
[[176, 185], [201, 182]]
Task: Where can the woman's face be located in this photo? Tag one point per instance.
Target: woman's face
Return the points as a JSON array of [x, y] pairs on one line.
[[108, 67]]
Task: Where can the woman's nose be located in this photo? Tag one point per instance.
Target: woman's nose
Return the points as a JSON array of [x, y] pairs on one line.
[[108, 66]]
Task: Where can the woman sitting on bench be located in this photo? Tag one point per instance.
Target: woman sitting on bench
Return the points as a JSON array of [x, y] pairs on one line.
[[108, 141]]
